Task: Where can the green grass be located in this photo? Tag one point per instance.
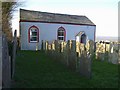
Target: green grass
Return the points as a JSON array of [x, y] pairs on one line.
[[36, 70]]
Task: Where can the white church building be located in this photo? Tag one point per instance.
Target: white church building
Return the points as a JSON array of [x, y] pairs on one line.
[[36, 26]]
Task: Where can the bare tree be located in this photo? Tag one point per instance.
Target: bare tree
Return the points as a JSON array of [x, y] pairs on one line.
[[7, 13]]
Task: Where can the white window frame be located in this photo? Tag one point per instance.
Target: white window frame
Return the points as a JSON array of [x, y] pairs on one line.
[[61, 30], [31, 31]]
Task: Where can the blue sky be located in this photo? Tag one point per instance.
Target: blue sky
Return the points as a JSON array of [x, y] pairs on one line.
[[104, 13]]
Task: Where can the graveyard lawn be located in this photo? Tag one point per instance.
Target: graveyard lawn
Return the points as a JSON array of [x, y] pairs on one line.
[[36, 70]]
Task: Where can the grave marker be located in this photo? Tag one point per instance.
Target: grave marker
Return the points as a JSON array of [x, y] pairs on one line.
[[6, 66], [14, 52], [0, 60], [85, 65]]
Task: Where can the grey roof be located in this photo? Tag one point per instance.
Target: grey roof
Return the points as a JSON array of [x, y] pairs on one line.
[[53, 17]]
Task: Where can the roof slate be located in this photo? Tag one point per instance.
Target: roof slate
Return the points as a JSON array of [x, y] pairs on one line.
[[30, 15]]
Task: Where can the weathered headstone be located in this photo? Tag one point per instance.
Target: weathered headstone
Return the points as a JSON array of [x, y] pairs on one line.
[[57, 50], [46, 46], [1, 46], [56, 45], [72, 57], [49, 49], [81, 48], [85, 65], [84, 61], [107, 51], [0, 61], [90, 48], [100, 51], [114, 56], [6, 67], [42, 45], [65, 53], [53, 45], [77, 48], [14, 53], [52, 51]]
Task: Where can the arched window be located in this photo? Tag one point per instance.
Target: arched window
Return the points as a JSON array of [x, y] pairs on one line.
[[61, 34], [33, 34]]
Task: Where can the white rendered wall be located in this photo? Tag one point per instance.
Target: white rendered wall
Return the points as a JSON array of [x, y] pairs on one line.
[[48, 31]]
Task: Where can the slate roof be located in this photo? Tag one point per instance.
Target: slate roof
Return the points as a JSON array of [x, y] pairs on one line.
[[30, 15]]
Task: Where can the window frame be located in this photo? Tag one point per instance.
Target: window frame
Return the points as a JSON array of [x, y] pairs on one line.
[[60, 30], [29, 34]]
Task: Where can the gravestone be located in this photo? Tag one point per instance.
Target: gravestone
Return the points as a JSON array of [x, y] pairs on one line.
[[57, 49], [14, 53], [49, 49], [84, 62], [60, 54], [114, 56], [90, 48], [53, 45], [0, 61], [100, 51], [72, 57], [85, 65], [52, 49], [46, 46], [77, 48], [0, 46], [6, 66], [65, 53], [61, 46], [81, 48], [56, 45], [42, 45], [107, 51], [81, 51]]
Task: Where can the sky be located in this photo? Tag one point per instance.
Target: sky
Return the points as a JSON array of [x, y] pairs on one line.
[[103, 13]]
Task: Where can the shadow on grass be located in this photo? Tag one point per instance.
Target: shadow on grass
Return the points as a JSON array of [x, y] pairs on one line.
[[34, 69]]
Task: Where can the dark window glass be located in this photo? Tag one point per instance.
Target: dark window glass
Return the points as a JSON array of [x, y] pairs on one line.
[[60, 38], [34, 33], [60, 33], [33, 38]]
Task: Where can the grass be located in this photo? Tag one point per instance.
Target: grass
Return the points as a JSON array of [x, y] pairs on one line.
[[36, 70]]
